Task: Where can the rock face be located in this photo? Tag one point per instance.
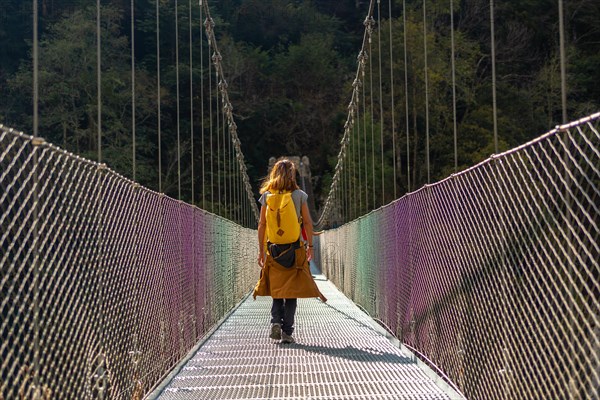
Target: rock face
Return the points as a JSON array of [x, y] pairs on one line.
[[304, 179]]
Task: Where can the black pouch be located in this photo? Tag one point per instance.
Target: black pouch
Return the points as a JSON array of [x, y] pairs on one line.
[[284, 254]]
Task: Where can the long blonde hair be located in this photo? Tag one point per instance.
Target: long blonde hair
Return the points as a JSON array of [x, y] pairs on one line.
[[282, 178]]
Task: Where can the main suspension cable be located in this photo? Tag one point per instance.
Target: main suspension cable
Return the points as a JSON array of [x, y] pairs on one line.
[[228, 111], [348, 127]]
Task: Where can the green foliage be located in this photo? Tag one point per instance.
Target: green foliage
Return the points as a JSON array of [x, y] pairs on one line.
[[289, 67]]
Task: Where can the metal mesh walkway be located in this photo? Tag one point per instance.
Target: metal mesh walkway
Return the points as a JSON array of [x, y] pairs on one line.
[[340, 353]]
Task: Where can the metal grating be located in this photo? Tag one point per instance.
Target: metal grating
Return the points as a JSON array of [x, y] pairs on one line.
[[340, 354]]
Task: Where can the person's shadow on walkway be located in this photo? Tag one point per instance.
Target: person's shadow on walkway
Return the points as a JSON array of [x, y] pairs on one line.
[[354, 353]]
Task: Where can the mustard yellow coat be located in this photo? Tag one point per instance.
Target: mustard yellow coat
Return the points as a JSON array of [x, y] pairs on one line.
[[280, 282]]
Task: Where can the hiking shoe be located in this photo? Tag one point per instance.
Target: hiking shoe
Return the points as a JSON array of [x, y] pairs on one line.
[[275, 332], [285, 338]]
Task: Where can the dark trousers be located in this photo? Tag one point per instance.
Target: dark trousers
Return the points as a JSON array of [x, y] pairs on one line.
[[283, 312]]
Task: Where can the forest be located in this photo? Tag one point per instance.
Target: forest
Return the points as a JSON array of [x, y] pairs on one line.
[[289, 66]]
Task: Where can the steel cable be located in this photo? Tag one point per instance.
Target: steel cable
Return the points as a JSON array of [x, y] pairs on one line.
[[408, 170], [380, 73], [393, 108], [177, 101], [426, 77], [158, 97], [453, 68]]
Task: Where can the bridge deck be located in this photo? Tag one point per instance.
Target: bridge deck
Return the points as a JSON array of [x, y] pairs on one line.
[[341, 353]]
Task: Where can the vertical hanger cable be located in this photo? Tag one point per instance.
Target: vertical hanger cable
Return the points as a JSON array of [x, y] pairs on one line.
[[381, 119], [191, 60], [99, 79], [426, 75], [408, 187], [218, 134], [177, 101], [493, 60], [371, 101], [208, 24], [202, 109], [453, 65], [563, 62], [393, 112], [133, 138], [158, 95]]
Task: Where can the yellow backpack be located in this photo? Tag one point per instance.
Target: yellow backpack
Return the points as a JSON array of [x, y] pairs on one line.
[[283, 224]]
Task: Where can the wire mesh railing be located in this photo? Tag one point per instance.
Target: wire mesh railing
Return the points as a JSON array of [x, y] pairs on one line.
[[105, 285], [491, 275]]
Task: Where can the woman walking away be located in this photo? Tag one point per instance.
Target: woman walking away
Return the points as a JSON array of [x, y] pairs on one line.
[[282, 253]]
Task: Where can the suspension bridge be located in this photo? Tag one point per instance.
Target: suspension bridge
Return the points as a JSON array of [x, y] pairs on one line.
[[484, 285]]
